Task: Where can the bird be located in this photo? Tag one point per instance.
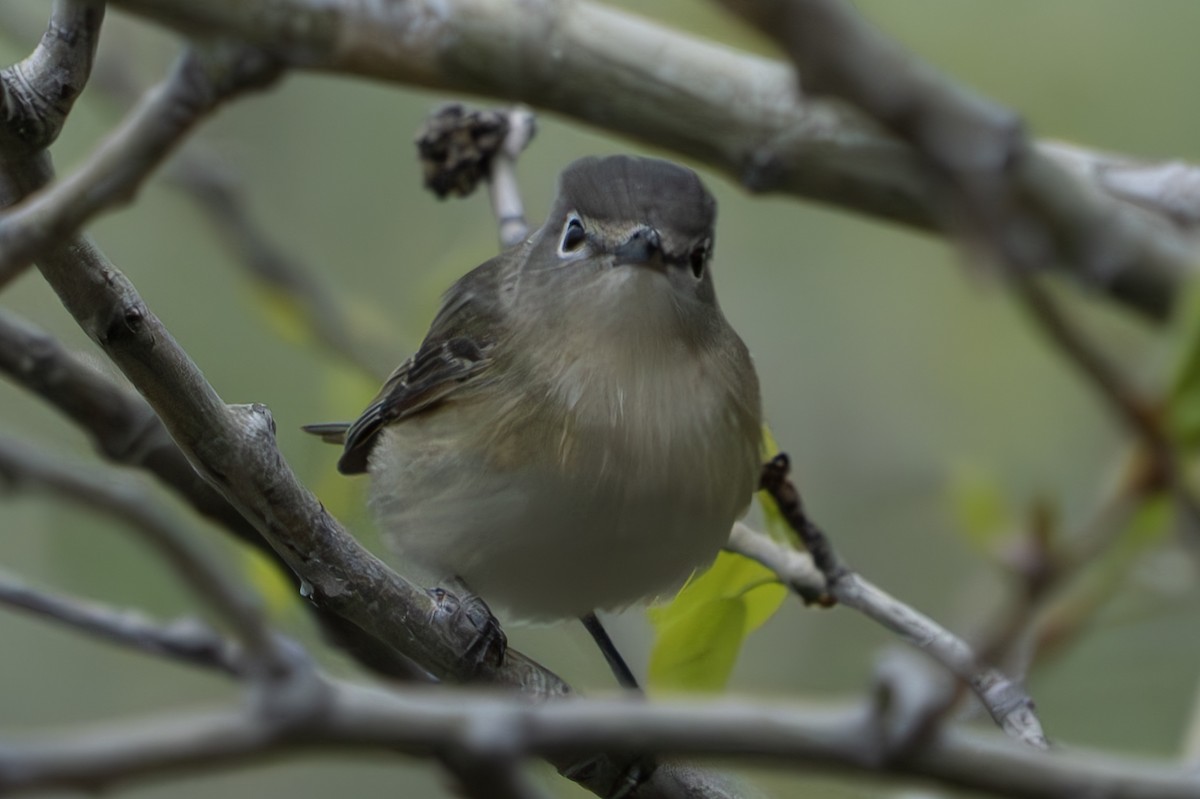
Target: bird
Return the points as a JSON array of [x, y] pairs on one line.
[[581, 426]]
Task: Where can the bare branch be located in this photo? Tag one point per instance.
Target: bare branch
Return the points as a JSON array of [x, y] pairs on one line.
[[494, 773], [201, 80], [732, 111], [123, 428], [1167, 188], [203, 176], [1006, 701], [185, 640], [793, 567], [990, 180], [843, 739], [234, 446], [505, 192], [1115, 390], [996, 186], [22, 467], [37, 93]]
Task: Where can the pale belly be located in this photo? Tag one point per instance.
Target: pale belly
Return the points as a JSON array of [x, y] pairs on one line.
[[542, 543]]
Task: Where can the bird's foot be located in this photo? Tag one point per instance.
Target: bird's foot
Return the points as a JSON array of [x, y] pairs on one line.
[[632, 776], [488, 642]]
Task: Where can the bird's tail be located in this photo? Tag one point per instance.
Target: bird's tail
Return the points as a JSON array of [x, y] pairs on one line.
[[330, 432]]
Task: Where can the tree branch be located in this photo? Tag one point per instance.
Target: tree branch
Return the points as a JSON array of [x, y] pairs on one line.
[[737, 113], [122, 427], [997, 188], [1009, 705], [842, 739], [22, 467], [201, 80], [494, 773], [39, 92], [205, 178], [234, 448], [185, 640]]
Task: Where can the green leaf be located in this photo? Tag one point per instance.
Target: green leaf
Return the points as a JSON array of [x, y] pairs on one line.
[[978, 507], [696, 650], [699, 634], [1183, 401]]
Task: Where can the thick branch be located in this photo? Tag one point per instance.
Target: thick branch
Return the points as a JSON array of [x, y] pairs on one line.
[[735, 112], [838, 739], [37, 93], [998, 189]]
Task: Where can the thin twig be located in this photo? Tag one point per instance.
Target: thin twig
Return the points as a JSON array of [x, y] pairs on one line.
[[201, 80], [22, 467], [1115, 390], [1007, 702], [204, 177], [505, 192], [793, 567], [186, 640]]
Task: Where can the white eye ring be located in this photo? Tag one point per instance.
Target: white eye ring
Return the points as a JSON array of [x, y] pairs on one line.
[[574, 237]]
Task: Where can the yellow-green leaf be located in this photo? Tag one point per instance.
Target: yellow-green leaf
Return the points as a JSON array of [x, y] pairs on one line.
[[978, 507], [1183, 405], [699, 634], [696, 650]]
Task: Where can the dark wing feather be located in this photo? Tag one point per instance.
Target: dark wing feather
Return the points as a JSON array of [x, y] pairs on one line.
[[456, 351], [435, 372]]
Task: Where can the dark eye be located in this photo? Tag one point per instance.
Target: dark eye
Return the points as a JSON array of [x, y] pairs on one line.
[[573, 235], [697, 258]]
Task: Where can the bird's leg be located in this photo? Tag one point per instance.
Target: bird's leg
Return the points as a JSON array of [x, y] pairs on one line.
[[640, 769], [620, 668], [489, 643]]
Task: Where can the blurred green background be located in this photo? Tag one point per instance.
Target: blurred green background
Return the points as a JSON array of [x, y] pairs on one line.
[[887, 369]]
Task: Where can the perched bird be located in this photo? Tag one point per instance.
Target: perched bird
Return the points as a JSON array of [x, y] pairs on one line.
[[581, 426]]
